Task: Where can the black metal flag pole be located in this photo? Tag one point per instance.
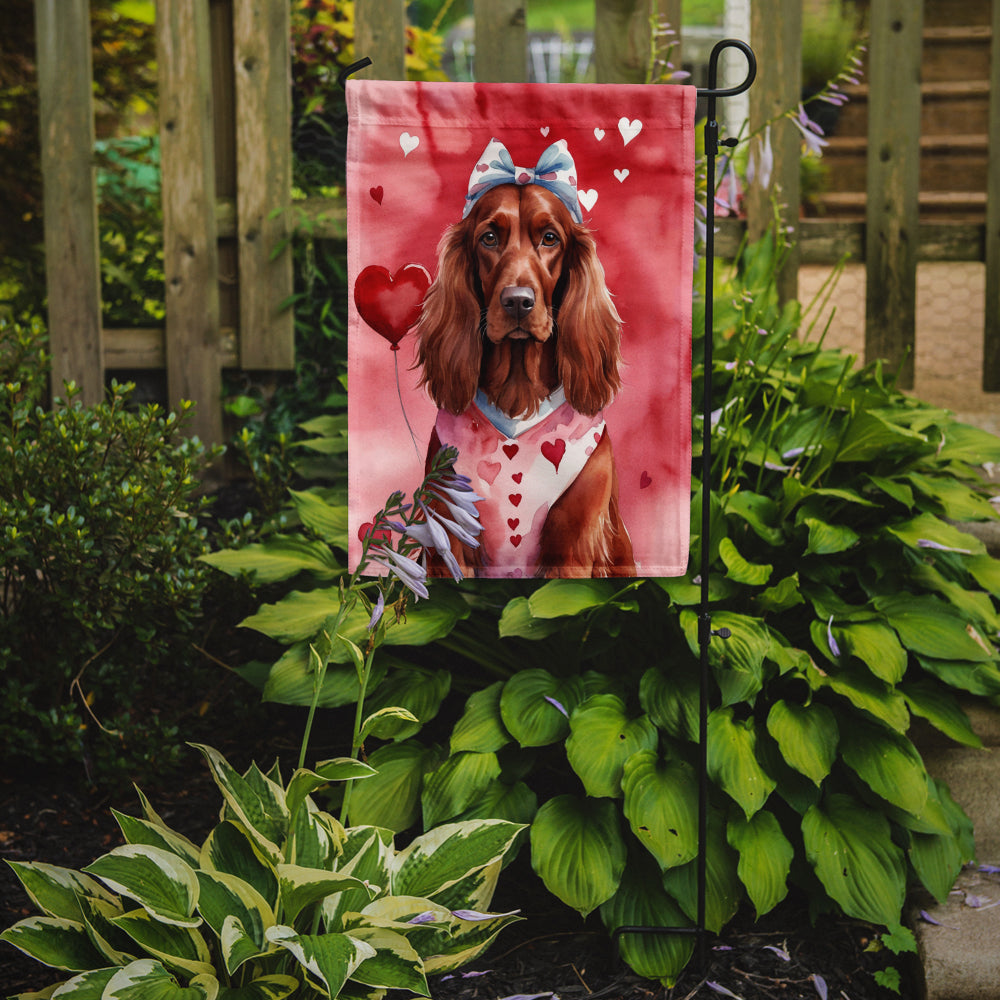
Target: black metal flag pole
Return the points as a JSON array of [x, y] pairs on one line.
[[705, 631]]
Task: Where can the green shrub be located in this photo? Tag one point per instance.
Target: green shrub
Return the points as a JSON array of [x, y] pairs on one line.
[[101, 584], [854, 602], [279, 900]]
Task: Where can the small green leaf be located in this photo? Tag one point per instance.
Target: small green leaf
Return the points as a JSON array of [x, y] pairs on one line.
[[578, 851], [765, 858], [481, 727], [828, 539], [671, 700], [807, 736], [732, 760], [560, 598], [601, 740], [279, 558], [850, 847], [739, 569]]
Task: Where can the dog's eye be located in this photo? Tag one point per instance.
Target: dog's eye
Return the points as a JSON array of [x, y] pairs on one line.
[[489, 238], [550, 239]]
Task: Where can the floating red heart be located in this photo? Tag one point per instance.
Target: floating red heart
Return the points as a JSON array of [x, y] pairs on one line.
[[645, 480], [510, 450], [390, 303], [377, 193]]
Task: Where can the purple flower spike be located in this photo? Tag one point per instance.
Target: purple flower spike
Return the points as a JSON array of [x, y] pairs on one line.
[[820, 983], [558, 705], [834, 648], [719, 988], [427, 917]]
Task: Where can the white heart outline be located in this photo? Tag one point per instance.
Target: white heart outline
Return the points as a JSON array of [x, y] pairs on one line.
[[629, 129], [587, 198], [408, 143], [620, 175]]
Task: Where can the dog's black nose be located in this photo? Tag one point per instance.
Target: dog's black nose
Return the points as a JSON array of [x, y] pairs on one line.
[[517, 300]]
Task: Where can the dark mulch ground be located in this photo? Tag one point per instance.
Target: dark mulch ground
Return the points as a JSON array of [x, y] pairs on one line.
[[551, 951]]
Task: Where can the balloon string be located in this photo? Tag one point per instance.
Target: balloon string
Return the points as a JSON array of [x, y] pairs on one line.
[[399, 392]]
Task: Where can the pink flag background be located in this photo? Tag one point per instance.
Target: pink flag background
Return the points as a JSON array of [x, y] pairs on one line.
[[411, 149]]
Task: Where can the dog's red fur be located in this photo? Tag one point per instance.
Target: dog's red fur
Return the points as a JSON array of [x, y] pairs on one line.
[[524, 239]]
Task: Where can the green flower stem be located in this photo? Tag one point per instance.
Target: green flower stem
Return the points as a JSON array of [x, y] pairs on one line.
[[357, 739]]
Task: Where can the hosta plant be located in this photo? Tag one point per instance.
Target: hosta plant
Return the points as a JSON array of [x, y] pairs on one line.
[[279, 900]]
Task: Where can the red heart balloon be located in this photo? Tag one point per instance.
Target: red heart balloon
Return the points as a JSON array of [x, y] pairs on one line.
[[390, 303]]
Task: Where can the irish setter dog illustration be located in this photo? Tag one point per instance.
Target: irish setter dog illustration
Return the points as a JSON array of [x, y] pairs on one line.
[[519, 345]]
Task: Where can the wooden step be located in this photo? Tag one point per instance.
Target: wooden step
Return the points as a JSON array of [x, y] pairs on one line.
[[956, 53], [947, 162], [944, 103], [957, 206], [945, 12]]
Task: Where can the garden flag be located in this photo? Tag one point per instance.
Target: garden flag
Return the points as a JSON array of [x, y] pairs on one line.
[[520, 276]]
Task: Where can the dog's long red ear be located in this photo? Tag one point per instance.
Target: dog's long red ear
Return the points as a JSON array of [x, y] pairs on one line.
[[451, 347], [589, 343]]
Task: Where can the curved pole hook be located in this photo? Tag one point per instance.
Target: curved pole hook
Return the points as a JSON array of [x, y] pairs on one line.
[[353, 68], [713, 69]]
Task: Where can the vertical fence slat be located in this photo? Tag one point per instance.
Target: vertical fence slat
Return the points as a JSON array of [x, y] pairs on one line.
[[621, 40], [892, 215], [380, 34], [991, 332], [501, 41], [776, 35], [261, 57], [190, 253], [72, 257]]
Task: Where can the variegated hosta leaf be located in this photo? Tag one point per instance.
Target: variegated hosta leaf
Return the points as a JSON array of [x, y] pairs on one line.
[[456, 784], [578, 851], [602, 737], [765, 858], [141, 831], [158, 880], [98, 915], [256, 801], [395, 964], [329, 959], [177, 947], [642, 902], [723, 889], [147, 979], [230, 849], [367, 853], [274, 987], [225, 897], [535, 706], [732, 760], [850, 847], [441, 857], [315, 838], [481, 727], [391, 799], [56, 891], [661, 799], [86, 986], [466, 941], [807, 736], [304, 782], [476, 890], [300, 887], [888, 763], [54, 941]]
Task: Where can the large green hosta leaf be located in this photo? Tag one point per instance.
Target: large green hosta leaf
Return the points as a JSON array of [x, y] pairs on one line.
[[875, 645], [641, 901], [481, 727], [535, 706], [888, 763], [661, 806], [559, 598], [807, 736], [578, 851], [279, 558], [456, 784], [601, 740], [670, 698], [732, 760], [924, 528], [932, 628], [391, 798], [765, 858], [415, 689], [850, 848], [723, 889], [941, 709], [738, 661]]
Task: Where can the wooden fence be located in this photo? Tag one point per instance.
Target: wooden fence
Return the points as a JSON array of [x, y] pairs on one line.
[[226, 161]]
